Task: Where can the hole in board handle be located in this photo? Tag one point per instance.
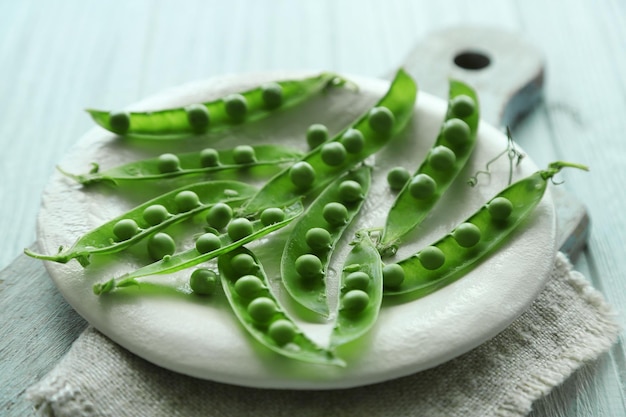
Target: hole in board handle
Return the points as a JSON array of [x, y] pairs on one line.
[[472, 60]]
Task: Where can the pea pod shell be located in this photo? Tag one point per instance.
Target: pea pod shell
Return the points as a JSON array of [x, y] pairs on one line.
[[313, 296], [301, 348], [172, 123], [399, 99], [101, 239], [407, 212], [349, 326], [192, 257], [419, 281], [148, 169]]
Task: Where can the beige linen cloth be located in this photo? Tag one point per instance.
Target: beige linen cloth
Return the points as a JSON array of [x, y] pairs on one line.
[[568, 325]]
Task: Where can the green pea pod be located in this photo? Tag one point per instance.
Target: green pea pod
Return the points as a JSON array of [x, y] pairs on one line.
[[103, 240], [192, 257], [310, 292], [455, 254], [274, 329], [280, 190], [451, 151], [360, 300], [187, 164], [213, 116]]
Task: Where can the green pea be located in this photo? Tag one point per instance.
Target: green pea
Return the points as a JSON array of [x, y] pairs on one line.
[[431, 257], [333, 153], [308, 266], [358, 280], [125, 229], [318, 239], [209, 157], [249, 286], [463, 105], [335, 213], [272, 215], [456, 131], [244, 154], [262, 309], [393, 275], [467, 235], [272, 95], [422, 186], [282, 331], [355, 301], [203, 281], [353, 140], [168, 162], [302, 174], [239, 228], [186, 200], [236, 106], [381, 120], [219, 215], [155, 214], [198, 117], [442, 158], [208, 242], [316, 134], [242, 264], [397, 177], [119, 122], [350, 191], [500, 208], [160, 245]]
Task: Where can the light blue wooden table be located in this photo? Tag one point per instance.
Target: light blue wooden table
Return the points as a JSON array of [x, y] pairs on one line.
[[61, 57]]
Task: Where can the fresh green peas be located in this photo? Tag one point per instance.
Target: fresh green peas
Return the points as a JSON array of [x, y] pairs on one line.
[[333, 153], [463, 106], [168, 162], [318, 239], [397, 177], [282, 331], [243, 263], [119, 122], [198, 117], [353, 141], [272, 94], [316, 134], [302, 174], [467, 235], [262, 309], [272, 215], [125, 229], [249, 286], [219, 215], [186, 200], [422, 186], [381, 120], [500, 208], [160, 245], [155, 214], [358, 280], [442, 158], [203, 281], [239, 228], [456, 131], [209, 158], [236, 106], [336, 214], [309, 266], [208, 242], [393, 275], [350, 191], [355, 301], [244, 154], [431, 257]]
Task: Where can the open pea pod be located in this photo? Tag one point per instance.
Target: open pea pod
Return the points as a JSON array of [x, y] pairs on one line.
[[216, 115], [361, 292], [206, 162], [229, 241], [150, 217], [451, 151], [324, 163], [452, 256], [260, 313], [309, 247]]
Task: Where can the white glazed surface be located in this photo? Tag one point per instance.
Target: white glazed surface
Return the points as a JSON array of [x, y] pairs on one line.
[[201, 337]]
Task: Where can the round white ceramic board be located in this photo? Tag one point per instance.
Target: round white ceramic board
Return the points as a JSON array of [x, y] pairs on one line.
[[200, 336]]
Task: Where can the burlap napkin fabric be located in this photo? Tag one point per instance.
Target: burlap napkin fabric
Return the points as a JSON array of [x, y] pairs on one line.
[[568, 325]]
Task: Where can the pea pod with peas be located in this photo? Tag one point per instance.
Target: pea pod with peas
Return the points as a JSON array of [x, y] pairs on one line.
[[216, 115]]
